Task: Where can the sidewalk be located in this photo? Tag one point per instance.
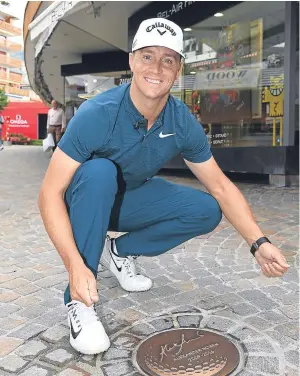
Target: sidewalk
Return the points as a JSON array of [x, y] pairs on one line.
[[209, 282]]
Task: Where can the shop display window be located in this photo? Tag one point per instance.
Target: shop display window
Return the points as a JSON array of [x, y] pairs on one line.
[[233, 76]]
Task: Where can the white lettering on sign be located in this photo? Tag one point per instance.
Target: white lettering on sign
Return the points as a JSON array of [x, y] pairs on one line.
[[60, 10], [225, 79], [125, 81], [18, 122], [175, 8]]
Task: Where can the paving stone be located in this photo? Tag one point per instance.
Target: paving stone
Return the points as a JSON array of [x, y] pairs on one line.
[[189, 321], [162, 324], [7, 345], [244, 309], [257, 323], [32, 311], [59, 357], [261, 346], [142, 330], [26, 301], [141, 297], [291, 372], [72, 372], [116, 353], [12, 363], [290, 329], [120, 304], [8, 296], [48, 320], [248, 275], [111, 325], [291, 311], [273, 317], [164, 291], [292, 357], [283, 341], [31, 348], [161, 281], [10, 323], [129, 315], [257, 298], [28, 289], [8, 308], [37, 371], [15, 283], [51, 281], [244, 333], [263, 364], [55, 334], [28, 331], [220, 323], [118, 369], [126, 341]]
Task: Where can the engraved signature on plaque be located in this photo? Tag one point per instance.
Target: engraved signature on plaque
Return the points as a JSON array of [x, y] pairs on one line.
[[187, 352], [165, 349]]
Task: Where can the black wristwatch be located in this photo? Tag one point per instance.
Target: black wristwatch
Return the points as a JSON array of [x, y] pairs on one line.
[[258, 243]]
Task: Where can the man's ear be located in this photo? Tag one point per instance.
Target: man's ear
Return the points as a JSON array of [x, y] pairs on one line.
[[180, 69]]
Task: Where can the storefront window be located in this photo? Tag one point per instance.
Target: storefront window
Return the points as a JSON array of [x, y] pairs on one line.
[[82, 87], [233, 77]]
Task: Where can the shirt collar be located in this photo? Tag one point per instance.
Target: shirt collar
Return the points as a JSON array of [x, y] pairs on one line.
[[130, 107]]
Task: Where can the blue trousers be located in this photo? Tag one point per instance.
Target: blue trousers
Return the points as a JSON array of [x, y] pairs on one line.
[[157, 216]]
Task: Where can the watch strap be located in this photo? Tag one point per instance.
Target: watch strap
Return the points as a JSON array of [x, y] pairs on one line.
[[258, 243]]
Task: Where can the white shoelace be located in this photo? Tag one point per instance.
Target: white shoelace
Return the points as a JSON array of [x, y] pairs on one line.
[[130, 266], [81, 313]]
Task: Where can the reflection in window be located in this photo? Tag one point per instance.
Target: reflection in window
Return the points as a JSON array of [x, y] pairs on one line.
[[233, 78]]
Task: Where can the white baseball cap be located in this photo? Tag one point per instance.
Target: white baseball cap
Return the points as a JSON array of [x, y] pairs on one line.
[[159, 32]]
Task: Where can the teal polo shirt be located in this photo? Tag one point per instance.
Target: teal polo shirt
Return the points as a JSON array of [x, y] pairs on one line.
[[110, 126]]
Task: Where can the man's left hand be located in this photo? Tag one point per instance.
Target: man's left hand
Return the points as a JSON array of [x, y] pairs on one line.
[[271, 260]]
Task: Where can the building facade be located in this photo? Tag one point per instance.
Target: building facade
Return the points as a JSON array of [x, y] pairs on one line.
[[11, 62], [238, 80]]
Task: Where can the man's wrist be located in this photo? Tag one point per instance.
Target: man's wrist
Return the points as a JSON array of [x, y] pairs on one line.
[[260, 241]]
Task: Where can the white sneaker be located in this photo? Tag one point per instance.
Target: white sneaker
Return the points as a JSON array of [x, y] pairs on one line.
[[1, 147], [87, 334], [123, 268]]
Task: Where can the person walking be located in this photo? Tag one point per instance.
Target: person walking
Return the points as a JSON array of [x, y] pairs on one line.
[[56, 122], [1, 128], [102, 177]]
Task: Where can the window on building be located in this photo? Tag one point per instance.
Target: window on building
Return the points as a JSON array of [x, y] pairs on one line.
[[233, 77]]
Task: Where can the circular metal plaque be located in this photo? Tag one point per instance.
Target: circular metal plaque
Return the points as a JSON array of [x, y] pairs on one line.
[[187, 352]]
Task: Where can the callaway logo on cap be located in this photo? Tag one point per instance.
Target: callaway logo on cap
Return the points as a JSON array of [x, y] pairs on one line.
[[159, 32]]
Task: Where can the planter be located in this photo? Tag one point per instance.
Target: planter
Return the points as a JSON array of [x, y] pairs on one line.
[[7, 143]]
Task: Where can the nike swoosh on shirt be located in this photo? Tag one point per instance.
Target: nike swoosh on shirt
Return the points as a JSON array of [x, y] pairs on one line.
[[74, 334], [161, 135]]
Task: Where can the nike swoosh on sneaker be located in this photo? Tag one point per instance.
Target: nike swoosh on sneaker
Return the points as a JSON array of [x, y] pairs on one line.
[[161, 135], [74, 334], [118, 267]]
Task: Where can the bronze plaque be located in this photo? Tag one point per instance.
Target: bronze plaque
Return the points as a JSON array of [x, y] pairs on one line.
[[187, 352]]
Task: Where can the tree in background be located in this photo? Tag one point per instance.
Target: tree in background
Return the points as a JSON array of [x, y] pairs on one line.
[[3, 100]]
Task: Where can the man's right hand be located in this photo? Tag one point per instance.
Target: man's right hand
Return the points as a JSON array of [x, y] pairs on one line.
[[83, 285]]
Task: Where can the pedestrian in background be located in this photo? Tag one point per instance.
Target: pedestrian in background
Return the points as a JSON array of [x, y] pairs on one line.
[[56, 122], [1, 127]]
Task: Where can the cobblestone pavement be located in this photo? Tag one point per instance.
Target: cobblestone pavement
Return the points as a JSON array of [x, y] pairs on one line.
[[209, 282]]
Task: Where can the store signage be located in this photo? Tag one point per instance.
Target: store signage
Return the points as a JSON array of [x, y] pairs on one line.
[[121, 81], [18, 122], [47, 20], [174, 8], [227, 79]]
